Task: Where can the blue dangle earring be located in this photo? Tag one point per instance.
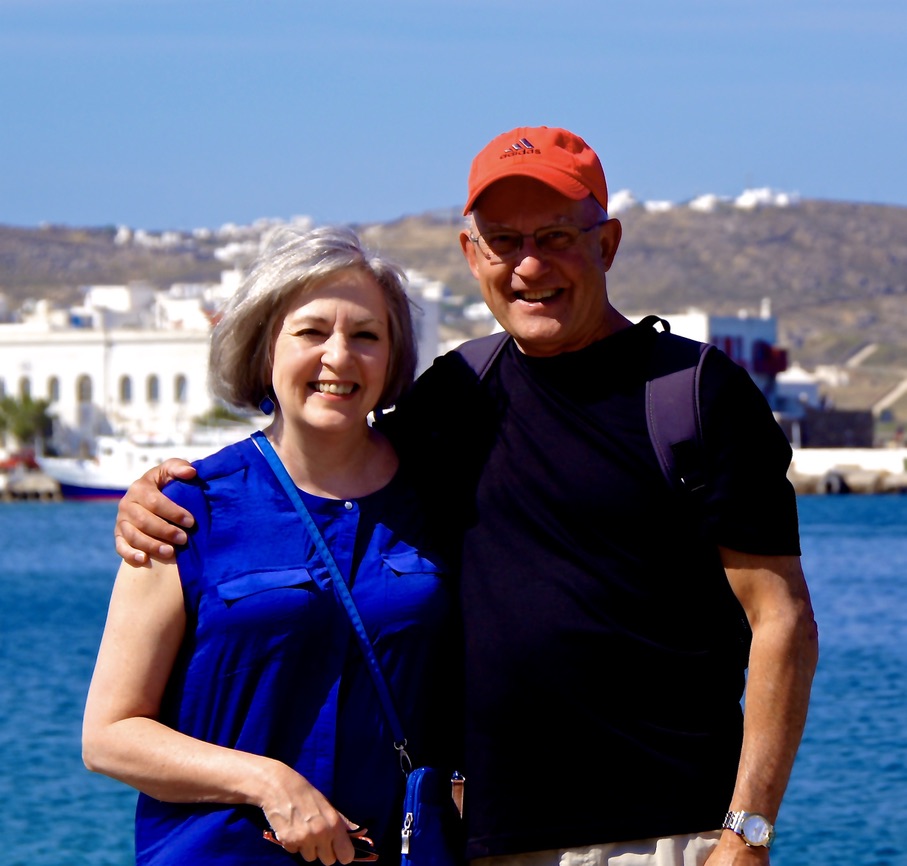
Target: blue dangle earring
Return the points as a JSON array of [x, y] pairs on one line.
[[266, 405]]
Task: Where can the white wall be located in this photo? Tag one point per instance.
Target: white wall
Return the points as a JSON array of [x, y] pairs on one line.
[[80, 363], [81, 370]]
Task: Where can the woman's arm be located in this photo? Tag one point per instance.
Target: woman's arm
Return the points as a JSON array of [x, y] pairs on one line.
[[122, 738]]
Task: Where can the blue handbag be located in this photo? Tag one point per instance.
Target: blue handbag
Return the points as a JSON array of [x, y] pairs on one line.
[[432, 833], [432, 830]]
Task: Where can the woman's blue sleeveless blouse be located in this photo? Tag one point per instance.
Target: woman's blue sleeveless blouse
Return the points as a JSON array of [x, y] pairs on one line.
[[269, 666]]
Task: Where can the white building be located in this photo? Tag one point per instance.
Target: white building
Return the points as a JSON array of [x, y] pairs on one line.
[[427, 296], [100, 381], [797, 389], [747, 339], [134, 361]]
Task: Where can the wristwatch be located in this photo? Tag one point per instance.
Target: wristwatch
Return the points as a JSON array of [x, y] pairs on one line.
[[755, 829]]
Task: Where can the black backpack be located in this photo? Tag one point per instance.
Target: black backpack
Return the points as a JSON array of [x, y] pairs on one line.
[[672, 398]]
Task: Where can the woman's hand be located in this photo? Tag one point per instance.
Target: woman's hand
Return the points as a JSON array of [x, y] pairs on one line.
[[148, 523], [304, 822]]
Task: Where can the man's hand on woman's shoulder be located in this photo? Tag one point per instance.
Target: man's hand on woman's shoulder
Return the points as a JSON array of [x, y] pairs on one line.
[[148, 523]]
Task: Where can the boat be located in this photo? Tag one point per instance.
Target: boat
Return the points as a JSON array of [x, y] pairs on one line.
[[118, 461]]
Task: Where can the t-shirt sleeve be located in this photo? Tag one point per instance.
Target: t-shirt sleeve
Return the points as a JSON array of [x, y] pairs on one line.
[[750, 504]]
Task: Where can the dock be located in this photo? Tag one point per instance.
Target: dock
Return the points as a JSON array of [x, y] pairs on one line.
[[23, 485], [849, 470], [812, 471]]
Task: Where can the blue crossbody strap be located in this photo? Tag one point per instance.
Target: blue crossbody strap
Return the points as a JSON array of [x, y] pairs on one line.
[[343, 594]]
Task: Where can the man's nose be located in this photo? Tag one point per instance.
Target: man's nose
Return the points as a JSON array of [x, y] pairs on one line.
[[530, 259]]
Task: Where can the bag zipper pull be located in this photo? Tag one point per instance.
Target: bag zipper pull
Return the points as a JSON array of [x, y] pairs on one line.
[[406, 833]]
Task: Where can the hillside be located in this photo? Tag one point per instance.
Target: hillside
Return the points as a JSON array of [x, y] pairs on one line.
[[54, 261], [835, 273]]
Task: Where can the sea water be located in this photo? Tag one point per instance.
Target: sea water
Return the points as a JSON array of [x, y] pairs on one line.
[[846, 803]]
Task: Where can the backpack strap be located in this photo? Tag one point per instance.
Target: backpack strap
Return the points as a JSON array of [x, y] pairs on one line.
[[672, 398], [672, 407]]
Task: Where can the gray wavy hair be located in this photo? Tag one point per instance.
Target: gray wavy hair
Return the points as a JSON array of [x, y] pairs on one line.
[[293, 262]]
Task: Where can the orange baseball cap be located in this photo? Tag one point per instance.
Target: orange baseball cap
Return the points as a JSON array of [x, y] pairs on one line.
[[556, 157]]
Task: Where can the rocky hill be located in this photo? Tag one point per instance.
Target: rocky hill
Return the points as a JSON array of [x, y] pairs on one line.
[[835, 273], [55, 261]]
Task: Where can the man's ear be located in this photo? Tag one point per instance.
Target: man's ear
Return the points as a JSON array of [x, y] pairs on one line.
[[610, 241], [469, 252]]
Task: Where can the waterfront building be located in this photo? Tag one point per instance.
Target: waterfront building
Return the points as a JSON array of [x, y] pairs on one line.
[[133, 361], [793, 394], [748, 339]]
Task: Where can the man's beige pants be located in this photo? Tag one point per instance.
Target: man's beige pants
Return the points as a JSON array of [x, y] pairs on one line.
[[689, 850]]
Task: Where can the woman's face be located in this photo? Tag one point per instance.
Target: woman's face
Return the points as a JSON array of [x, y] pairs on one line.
[[331, 354]]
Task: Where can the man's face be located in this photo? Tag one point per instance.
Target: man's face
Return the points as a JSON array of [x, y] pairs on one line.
[[550, 300]]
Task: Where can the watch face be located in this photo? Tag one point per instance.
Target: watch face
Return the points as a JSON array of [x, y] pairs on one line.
[[756, 830]]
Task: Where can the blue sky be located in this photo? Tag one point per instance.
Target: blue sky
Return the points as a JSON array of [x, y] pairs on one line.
[[187, 113]]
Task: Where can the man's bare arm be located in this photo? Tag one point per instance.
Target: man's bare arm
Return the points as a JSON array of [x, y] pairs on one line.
[[783, 659], [148, 523]]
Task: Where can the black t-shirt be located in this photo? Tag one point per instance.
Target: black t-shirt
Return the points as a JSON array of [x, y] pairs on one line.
[[605, 652]]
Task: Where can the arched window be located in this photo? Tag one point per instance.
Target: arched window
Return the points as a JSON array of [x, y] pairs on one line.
[[125, 389], [83, 389], [24, 388], [153, 390], [53, 389], [180, 389]]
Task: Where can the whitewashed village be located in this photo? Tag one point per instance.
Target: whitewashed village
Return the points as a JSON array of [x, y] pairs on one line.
[[124, 378]]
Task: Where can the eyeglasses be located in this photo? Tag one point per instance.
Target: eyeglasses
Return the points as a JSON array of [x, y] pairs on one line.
[[501, 245]]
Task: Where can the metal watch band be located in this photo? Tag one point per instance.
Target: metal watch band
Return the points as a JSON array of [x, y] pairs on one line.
[[734, 821]]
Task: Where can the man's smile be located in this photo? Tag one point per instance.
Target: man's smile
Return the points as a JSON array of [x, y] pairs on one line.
[[537, 295]]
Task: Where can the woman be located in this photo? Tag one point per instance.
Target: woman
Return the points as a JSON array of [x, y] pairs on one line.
[[228, 689]]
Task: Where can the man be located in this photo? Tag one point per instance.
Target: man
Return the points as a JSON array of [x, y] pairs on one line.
[[608, 619]]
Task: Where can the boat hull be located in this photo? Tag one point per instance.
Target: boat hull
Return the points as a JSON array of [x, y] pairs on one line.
[[120, 462], [74, 491]]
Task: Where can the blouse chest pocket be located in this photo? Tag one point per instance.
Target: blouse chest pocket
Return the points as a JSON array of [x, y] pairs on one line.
[[415, 596], [255, 582], [404, 561], [272, 600], [262, 615]]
